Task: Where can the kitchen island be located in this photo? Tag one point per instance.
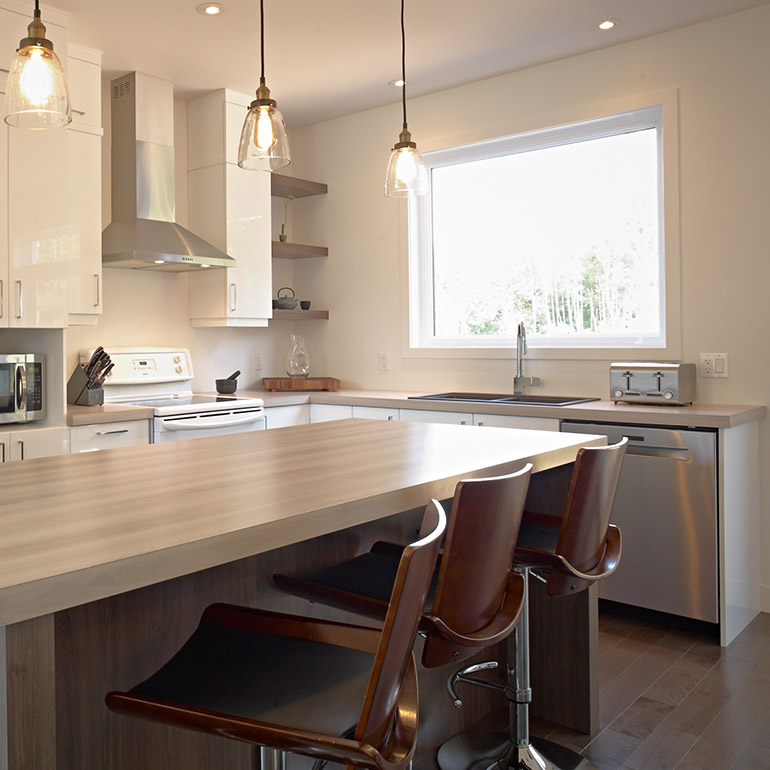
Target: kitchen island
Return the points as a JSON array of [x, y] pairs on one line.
[[108, 558]]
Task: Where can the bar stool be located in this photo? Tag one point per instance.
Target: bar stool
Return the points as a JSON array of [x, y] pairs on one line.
[[296, 684], [576, 549], [477, 598]]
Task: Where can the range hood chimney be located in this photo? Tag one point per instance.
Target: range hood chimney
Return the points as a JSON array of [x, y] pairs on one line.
[[143, 233]]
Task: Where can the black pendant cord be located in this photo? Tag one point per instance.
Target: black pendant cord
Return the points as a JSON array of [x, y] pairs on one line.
[[261, 41], [37, 9], [403, 62]]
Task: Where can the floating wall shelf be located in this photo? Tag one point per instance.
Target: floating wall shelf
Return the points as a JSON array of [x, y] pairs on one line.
[[284, 186], [298, 251], [300, 315]]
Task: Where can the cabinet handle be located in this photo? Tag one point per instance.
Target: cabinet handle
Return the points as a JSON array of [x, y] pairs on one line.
[[21, 449], [97, 297], [462, 422], [481, 424], [78, 112], [111, 432], [2, 298], [2, 454], [390, 416], [233, 297], [20, 297]]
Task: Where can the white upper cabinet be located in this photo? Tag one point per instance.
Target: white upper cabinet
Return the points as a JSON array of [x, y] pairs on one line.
[[37, 243], [84, 185], [230, 208]]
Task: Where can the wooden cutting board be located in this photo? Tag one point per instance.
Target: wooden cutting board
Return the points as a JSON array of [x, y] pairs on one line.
[[309, 383]]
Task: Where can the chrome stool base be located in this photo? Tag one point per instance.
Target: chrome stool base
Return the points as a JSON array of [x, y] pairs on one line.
[[512, 750], [489, 752]]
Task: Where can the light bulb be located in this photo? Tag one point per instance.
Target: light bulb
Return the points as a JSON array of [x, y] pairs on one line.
[[406, 165], [36, 81], [264, 134]]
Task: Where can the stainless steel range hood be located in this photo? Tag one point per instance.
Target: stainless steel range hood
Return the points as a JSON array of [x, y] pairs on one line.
[[143, 233]]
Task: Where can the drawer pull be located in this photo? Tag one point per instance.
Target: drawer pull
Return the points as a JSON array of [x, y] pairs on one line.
[[111, 432]]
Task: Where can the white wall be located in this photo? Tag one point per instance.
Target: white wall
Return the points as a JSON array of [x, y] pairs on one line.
[[720, 69]]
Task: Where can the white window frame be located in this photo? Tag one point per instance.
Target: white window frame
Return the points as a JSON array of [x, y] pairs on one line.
[[419, 344]]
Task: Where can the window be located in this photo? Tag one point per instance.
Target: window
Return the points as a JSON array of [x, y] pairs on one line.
[[561, 228]]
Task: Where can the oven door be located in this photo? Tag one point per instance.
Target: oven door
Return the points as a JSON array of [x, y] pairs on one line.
[[182, 427], [13, 389]]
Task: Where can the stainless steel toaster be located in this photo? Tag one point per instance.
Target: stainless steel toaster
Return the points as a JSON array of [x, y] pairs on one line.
[[640, 383]]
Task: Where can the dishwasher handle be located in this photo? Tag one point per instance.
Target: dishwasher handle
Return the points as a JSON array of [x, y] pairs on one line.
[[666, 452]]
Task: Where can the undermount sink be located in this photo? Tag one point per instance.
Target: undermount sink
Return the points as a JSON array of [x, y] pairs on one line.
[[503, 398]]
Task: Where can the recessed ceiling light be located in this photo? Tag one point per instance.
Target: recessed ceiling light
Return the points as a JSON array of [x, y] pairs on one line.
[[397, 83], [607, 24], [211, 9]]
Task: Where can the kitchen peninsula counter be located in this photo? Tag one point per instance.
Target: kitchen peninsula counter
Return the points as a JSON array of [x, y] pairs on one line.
[[108, 558]]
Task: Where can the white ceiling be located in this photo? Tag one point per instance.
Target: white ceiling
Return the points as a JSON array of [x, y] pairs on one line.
[[327, 58]]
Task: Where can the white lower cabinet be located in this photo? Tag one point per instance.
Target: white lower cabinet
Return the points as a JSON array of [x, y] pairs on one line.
[[109, 435], [29, 443], [286, 416], [427, 415], [509, 421], [325, 412], [375, 413]]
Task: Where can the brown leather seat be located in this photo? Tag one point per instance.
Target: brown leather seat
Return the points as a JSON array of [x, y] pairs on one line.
[[576, 549], [297, 684], [477, 599]]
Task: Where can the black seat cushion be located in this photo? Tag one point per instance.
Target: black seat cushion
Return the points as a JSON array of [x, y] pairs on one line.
[[265, 677]]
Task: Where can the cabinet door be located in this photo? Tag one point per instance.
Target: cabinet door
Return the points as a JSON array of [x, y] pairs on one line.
[[375, 413], [84, 218], [111, 435], [426, 415], [4, 308], [285, 416], [510, 421], [38, 442], [84, 79], [40, 242], [325, 412], [248, 242]]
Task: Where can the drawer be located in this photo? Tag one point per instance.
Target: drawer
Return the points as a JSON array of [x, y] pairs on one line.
[[109, 435]]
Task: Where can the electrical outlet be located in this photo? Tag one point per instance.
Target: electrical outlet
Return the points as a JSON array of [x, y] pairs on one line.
[[714, 365], [384, 362], [258, 361]]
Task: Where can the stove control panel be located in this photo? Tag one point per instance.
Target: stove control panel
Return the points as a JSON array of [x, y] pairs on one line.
[[145, 366]]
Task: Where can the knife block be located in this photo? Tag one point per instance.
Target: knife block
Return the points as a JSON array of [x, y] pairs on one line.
[[78, 391]]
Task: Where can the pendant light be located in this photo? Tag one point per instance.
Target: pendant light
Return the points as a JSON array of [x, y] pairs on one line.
[[406, 174], [264, 144], [36, 96]]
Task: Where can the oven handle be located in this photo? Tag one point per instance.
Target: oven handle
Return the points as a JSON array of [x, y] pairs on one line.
[[201, 423]]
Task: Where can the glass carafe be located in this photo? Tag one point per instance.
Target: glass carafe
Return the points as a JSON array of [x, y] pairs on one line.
[[298, 360]]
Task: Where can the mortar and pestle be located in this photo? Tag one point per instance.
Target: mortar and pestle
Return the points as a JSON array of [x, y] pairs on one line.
[[229, 384]]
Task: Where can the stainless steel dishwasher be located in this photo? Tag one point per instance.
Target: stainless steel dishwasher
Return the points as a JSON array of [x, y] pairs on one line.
[[666, 508]]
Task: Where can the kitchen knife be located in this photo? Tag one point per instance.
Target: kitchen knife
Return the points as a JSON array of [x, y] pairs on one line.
[[92, 361]]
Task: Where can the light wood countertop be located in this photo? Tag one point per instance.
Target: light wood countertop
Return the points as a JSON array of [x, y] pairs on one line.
[[94, 415], [699, 415], [83, 527]]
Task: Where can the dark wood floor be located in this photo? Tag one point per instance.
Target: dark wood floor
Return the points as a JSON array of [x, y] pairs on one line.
[[673, 698]]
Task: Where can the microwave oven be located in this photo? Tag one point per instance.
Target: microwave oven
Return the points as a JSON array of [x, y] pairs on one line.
[[22, 389]]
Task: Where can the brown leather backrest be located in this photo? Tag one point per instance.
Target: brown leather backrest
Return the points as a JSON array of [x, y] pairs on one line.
[[587, 513], [400, 629], [478, 552]]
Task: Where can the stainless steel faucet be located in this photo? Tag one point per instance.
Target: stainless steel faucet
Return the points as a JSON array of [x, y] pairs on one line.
[[519, 381]]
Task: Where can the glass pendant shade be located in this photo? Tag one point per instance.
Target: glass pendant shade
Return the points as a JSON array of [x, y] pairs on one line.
[[36, 95], [406, 173], [264, 144]]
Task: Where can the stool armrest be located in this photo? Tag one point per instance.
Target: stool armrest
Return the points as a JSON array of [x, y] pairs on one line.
[[606, 566], [497, 630]]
